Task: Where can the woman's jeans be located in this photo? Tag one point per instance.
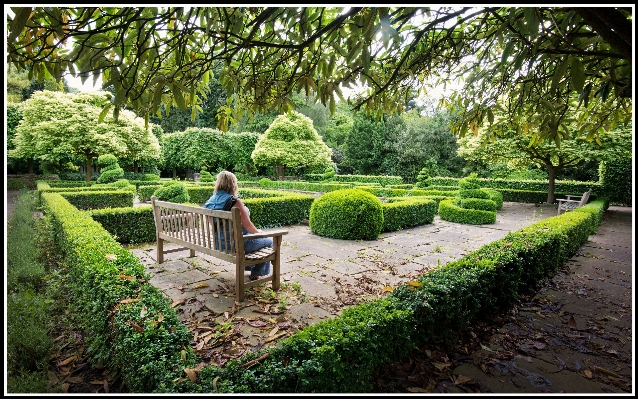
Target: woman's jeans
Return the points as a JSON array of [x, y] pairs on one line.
[[260, 269]]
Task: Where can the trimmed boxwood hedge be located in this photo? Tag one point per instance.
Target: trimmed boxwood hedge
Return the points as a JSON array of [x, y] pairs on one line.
[[450, 211]]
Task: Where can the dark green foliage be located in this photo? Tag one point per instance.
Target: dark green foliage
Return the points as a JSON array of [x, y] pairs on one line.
[[28, 324], [448, 298], [450, 211], [408, 213], [172, 191], [19, 182], [106, 283], [616, 181], [91, 198], [127, 225], [478, 203], [28, 308], [349, 214], [368, 145]]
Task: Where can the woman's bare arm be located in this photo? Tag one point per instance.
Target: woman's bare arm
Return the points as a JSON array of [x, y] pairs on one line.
[[245, 218]]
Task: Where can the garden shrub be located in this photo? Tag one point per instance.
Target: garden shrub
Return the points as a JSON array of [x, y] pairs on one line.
[[329, 174], [172, 191], [451, 212], [348, 214], [408, 213], [478, 203], [616, 181], [110, 170], [423, 178], [205, 176]]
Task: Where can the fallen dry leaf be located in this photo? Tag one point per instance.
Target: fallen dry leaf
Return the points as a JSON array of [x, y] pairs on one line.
[[572, 322], [415, 389], [192, 374], [441, 366], [74, 380], [67, 361], [461, 379]]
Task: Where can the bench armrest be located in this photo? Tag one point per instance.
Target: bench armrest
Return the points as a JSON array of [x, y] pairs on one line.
[[272, 233]]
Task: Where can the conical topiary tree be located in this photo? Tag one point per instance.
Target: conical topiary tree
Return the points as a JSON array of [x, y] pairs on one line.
[[110, 170], [205, 176], [291, 141]]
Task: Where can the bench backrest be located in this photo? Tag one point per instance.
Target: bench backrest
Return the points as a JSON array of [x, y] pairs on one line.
[[212, 229], [585, 198]]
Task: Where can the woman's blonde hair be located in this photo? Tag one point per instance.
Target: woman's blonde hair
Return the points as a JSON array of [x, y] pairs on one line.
[[226, 181]]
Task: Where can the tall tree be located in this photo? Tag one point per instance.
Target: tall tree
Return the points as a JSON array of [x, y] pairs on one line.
[[369, 148], [291, 142], [56, 124], [155, 55], [519, 151], [425, 138]]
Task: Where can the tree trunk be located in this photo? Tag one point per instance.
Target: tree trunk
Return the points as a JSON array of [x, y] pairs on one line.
[[551, 177], [281, 171], [30, 166], [89, 167], [135, 167], [174, 173]]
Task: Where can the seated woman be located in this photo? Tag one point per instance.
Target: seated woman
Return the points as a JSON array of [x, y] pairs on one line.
[[226, 187]]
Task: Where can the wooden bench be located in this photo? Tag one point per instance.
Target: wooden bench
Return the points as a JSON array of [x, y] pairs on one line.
[[201, 229], [570, 204]]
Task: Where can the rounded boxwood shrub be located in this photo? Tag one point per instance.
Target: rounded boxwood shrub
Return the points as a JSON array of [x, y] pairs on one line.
[[172, 191], [347, 214]]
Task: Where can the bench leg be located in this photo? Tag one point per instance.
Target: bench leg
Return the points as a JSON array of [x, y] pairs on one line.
[[160, 250], [239, 281], [276, 272]]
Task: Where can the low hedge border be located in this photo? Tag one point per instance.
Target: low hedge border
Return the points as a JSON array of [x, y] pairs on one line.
[[451, 212], [130, 326], [267, 209], [411, 212], [336, 355], [93, 196]]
